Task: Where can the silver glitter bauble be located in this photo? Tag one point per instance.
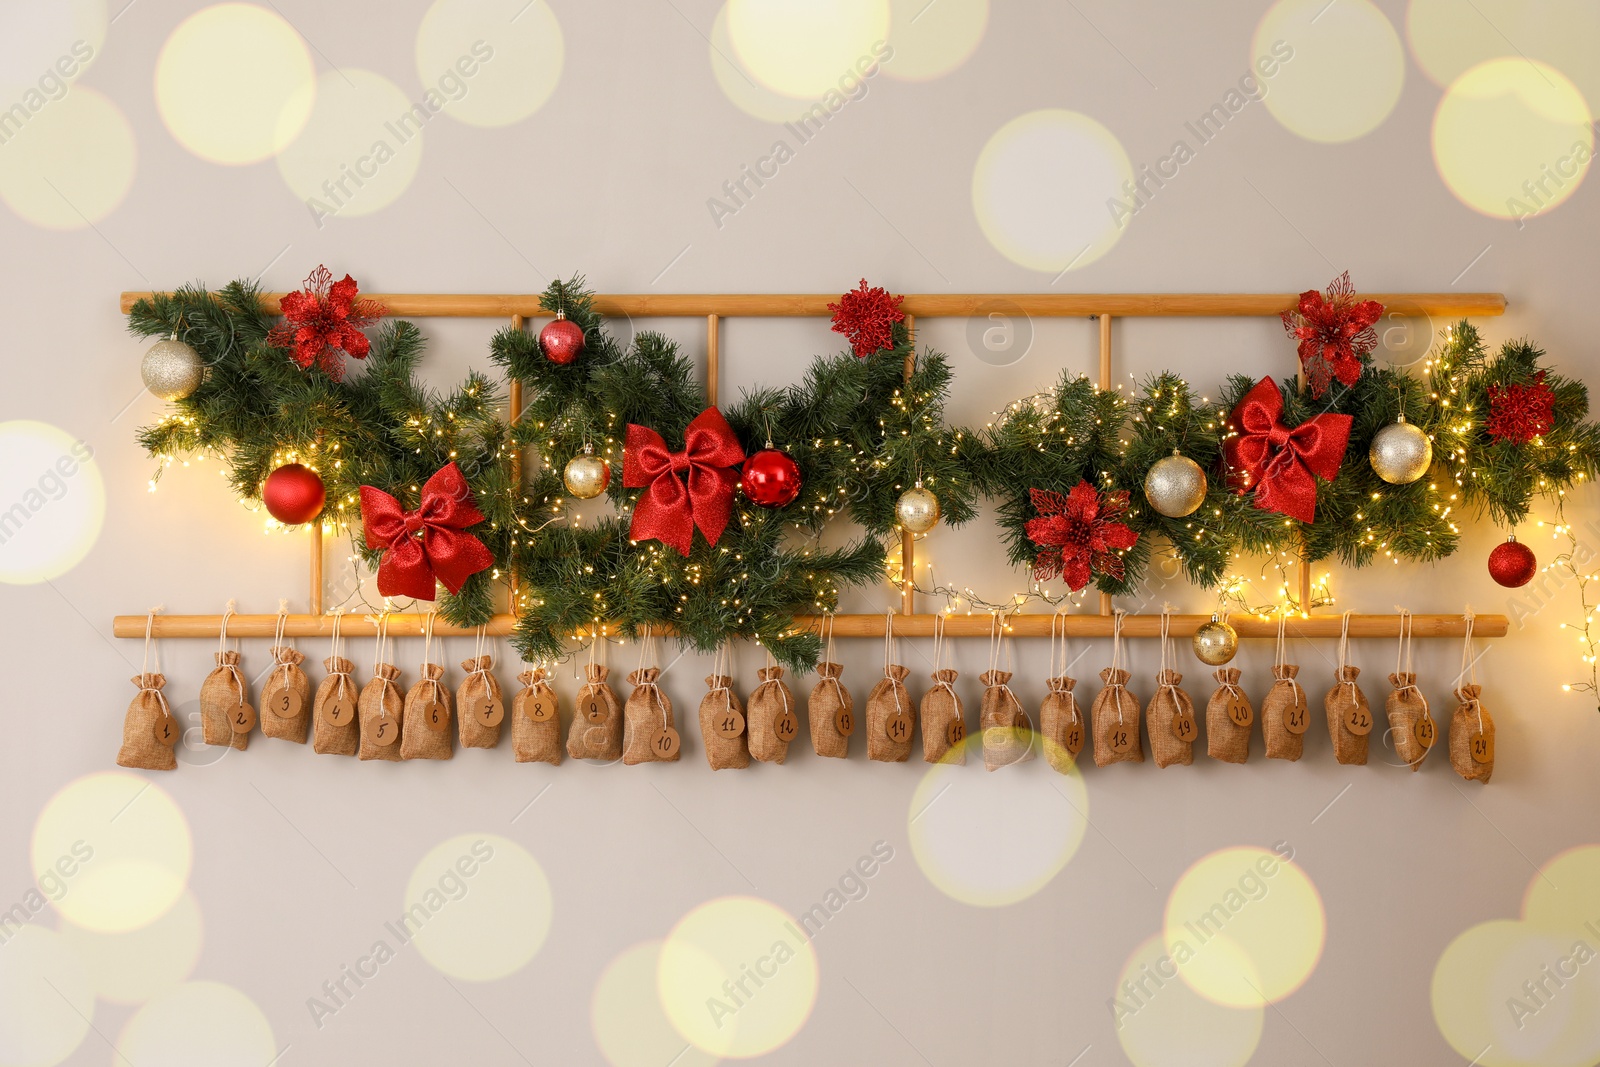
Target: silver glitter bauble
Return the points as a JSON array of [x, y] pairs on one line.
[[171, 369], [917, 509], [586, 475], [1175, 486], [1400, 453], [1215, 642]]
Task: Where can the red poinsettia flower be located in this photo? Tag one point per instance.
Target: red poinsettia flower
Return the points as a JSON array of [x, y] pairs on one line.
[[323, 321], [1078, 534], [867, 317], [1335, 331], [1519, 413]]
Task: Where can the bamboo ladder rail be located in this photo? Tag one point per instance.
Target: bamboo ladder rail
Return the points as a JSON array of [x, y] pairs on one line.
[[716, 307]]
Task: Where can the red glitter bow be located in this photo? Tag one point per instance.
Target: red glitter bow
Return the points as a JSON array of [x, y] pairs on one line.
[[428, 543], [323, 321], [1078, 534], [1279, 463], [867, 317], [669, 509], [1334, 331]]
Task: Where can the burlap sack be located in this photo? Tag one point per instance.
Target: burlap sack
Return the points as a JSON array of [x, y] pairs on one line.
[[1470, 720], [147, 728], [721, 705], [1169, 701], [600, 739], [941, 709], [327, 739], [767, 705], [1286, 698], [1061, 724], [381, 710], [1226, 740], [1348, 747], [1007, 733], [223, 695], [1115, 712], [648, 710], [888, 697], [478, 682], [535, 742], [828, 698], [1406, 707], [286, 677], [420, 739]]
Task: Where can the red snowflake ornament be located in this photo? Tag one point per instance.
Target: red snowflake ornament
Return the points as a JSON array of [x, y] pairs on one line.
[[1519, 413], [1078, 534], [1335, 331], [323, 322], [867, 317]]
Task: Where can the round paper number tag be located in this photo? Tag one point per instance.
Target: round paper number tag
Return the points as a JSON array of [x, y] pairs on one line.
[[487, 711], [538, 709], [956, 732], [1183, 727], [436, 715], [1425, 731], [1296, 717], [385, 732], [593, 710], [167, 730], [728, 724], [339, 712], [844, 721], [665, 743], [785, 726], [1121, 738], [1358, 720], [898, 726], [1482, 746], [242, 718], [1072, 740], [285, 703], [1239, 711]]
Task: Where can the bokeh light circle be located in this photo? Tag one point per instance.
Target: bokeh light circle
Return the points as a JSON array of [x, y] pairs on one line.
[[932, 39], [478, 907], [361, 147], [491, 62], [1346, 72], [804, 47], [234, 83], [46, 1002], [47, 43], [1161, 1022], [198, 1024], [629, 1024], [133, 967], [118, 846], [55, 501], [70, 164], [1562, 33], [992, 839], [1041, 187], [1512, 138], [741, 87], [1245, 927], [727, 944]]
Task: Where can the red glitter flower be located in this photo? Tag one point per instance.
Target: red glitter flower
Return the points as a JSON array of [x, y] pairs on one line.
[[1078, 534], [1334, 331], [324, 321], [867, 317], [1519, 413]]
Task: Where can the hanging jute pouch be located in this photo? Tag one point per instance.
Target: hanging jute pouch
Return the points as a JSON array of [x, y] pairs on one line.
[[1171, 714], [536, 720], [380, 706], [1007, 730], [480, 704], [335, 729], [1471, 727], [1285, 713], [1229, 718], [1349, 715], [149, 731], [772, 722], [597, 725], [226, 717], [286, 695], [831, 710], [1061, 723], [648, 732], [891, 717], [944, 724], [426, 734], [1411, 726], [1115, 713], [722, 720]]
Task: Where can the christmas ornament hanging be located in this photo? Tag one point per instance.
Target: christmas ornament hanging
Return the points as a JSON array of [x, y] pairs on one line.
[[586, 475], [293, 494], [917, 510], [561, 339], [171, 369], [770, 478], [1175, 486], [1215, 642], [1400, 453], [1512, 563]]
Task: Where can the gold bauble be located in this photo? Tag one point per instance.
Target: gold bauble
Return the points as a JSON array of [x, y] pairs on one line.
[[586, 476], [1400, 453], [917, 509], [1215, 642], [1175, 486], [172, 370]]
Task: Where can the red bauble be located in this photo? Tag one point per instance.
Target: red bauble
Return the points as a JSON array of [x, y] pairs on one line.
[[770, 478], [561, 339], [293, 494], [1512, 564]]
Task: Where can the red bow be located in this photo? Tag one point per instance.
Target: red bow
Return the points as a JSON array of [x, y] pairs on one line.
[[1277, 461], [668, 511], [427, 543]]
